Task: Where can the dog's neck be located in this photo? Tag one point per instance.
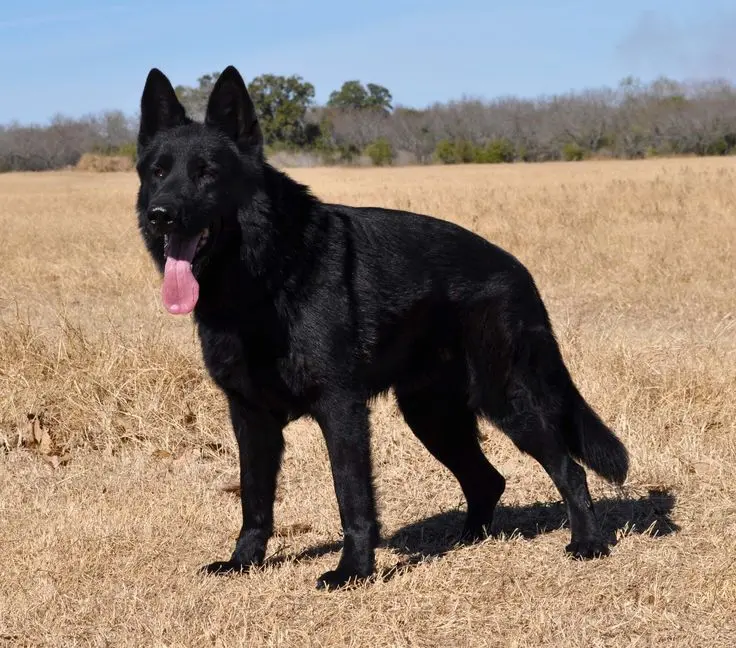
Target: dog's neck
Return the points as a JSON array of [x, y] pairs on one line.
[[276, 233], [288, 198]]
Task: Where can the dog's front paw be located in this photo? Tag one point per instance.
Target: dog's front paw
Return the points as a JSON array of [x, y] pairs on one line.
[[224, 567], [587, 549], [339, 579]]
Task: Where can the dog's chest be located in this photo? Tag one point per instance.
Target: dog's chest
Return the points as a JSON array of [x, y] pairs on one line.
[[256, 367]]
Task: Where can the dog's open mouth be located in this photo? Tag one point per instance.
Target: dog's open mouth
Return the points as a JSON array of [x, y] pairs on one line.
[[180, 289]]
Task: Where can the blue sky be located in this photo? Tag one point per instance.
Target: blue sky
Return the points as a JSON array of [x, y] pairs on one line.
[[82, 56]]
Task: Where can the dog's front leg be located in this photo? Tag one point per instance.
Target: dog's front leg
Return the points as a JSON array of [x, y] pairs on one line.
[[344, 422], [260, 445]]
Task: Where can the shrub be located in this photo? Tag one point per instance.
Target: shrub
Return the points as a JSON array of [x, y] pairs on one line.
[[717, 147], [495, 152], [465, 151], [127, 150], [573, 152], [347, 153], [455, 151], [380, 152], [444, 152]]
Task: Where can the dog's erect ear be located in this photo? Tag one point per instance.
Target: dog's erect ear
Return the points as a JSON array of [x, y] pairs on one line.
[[160, 109], [231, 109]]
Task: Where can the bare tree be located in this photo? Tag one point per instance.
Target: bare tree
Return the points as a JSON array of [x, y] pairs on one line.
[[632, 120]]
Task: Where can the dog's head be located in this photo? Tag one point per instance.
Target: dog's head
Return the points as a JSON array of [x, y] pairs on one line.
[[192, 178]]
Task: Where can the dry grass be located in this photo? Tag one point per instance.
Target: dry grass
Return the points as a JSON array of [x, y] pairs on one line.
[[636, 263]]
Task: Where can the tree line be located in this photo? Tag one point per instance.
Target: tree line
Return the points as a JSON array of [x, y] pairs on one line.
[[359, 122]]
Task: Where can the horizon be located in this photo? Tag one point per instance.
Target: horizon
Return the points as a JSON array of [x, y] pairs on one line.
[[72, 62]]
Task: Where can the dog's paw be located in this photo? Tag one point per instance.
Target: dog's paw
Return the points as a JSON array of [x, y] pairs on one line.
[[475, 533], [224, 567], [587, 549], [339, 579]]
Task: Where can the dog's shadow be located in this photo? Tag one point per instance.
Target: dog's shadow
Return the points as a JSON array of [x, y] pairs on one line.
[[434, 536]]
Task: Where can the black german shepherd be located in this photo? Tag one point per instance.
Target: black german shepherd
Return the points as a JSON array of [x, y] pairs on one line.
[[311, 309]]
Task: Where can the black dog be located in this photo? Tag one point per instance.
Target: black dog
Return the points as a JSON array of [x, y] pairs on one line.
[[306, 308]]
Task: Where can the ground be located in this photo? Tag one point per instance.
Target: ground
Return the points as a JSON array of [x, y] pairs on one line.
[[117, 459]]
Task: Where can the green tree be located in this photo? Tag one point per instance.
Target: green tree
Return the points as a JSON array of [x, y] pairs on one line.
[[353, 95], [379, 97], [281, 104], [194, 99]]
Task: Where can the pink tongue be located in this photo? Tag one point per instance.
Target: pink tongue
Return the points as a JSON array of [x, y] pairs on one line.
[[180, 290]]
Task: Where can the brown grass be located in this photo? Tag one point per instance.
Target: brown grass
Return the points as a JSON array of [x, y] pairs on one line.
[[114, 497], [105, 163]]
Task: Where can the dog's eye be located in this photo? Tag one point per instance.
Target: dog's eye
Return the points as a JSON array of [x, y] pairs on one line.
[[159, 172]]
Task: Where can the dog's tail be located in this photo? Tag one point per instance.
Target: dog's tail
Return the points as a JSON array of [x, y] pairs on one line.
[[592, 443]]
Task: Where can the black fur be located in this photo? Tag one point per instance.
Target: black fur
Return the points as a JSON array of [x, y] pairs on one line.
[[312, 309]]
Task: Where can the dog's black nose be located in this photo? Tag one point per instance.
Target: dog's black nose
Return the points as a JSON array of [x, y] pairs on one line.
[[161, 218]]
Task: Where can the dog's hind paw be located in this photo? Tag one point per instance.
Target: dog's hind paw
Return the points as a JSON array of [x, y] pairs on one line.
[[475, 533], [587, 549], [225, 567]]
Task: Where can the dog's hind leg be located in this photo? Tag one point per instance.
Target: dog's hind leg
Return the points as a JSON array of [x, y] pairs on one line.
[[441, 419], [537, 411], [539, 436]]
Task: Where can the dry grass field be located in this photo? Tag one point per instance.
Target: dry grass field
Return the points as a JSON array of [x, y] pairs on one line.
[[116, 454]]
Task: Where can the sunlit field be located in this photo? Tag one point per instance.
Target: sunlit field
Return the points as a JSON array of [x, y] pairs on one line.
[[117, 460]]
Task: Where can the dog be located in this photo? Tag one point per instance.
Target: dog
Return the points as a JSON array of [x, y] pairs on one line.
[[305, 308]]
